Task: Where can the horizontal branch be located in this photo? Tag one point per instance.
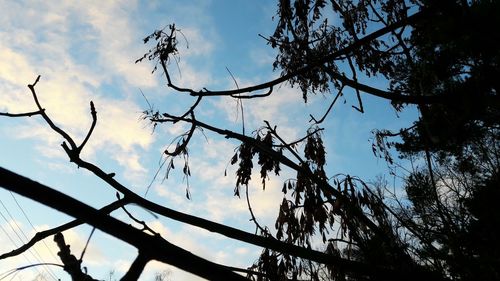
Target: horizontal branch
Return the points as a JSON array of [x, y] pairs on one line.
[[211, 226], [73, 153], [24, 114], [153, 247], [392, 96], [49, 232], [279, 246]]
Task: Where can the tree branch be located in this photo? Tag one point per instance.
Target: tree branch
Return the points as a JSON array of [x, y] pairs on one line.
[[46, 233], [199, 222], [71, 264], [327, 189], [46, 117], [93, 112], [25, 114], [135, 270], [155, 247], [392, 96]]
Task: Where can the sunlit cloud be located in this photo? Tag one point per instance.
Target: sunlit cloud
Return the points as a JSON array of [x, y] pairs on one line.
[[67, 85]]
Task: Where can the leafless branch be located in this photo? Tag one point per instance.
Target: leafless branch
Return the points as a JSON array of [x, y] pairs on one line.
[[148, 244], [179, 216], [87, 244], [24, 114], [46, 117], [295, 142], [93, 112], [136, 268], [355, 79], [257, 225], [71, 264], [329, 108], [325, 187], [141, 222], [46, 233]]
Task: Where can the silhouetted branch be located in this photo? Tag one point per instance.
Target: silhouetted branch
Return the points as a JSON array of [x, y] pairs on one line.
[[46, 233], [46, 117], [247, 271], [71, 264], [154, 246], [325, 187], [191, 109], [25, 114], [170, 253], [87, 244], [136, 268], [316, 122], [93, 112], [181, 147], [134, 238], [289, 148], [206, 224], [141, 222], [392, 96], [257, 225], [355, 80], [295, 142], [192, 220]]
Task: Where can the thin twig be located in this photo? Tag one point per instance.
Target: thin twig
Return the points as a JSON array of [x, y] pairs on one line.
[[25, 114], [316, 122], [257, 225], [141, 222], [39, 236], [291, 144], [239, 102], [93, 112], [88, 241], [355, 79]]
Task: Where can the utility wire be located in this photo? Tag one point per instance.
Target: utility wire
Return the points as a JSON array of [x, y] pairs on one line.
[[32, 226], [36, 254], [15, 245], [32, 250]]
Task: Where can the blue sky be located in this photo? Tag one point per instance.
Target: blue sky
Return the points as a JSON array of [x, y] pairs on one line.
[[85, 50]]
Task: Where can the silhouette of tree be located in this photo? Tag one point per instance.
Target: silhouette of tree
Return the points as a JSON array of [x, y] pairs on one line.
[[441, 56]]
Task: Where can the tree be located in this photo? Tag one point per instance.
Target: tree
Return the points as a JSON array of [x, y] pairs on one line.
[[430, 55]]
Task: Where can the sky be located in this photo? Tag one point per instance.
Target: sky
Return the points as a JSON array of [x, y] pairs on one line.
[[85, 51]]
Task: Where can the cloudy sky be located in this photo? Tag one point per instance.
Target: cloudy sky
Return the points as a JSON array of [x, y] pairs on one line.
[[85, 51]]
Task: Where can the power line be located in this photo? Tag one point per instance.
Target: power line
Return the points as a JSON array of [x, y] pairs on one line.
[[15, 245], [32, 226], [32, 250], [36, 254]]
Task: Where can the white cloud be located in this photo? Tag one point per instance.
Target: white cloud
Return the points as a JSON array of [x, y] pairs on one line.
[[68, 83], [118, 40], [15, 67], [201, 43]]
